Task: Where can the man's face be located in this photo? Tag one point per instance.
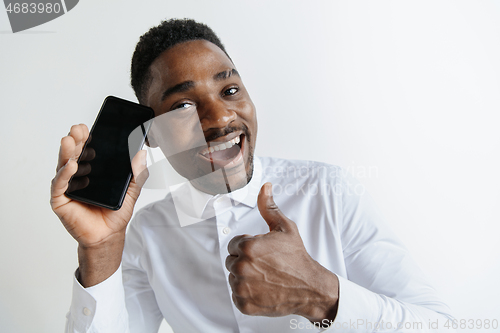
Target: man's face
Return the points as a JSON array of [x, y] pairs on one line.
[[205, 120]]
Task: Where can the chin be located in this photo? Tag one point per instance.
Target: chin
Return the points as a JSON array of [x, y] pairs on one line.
[[224, 180]]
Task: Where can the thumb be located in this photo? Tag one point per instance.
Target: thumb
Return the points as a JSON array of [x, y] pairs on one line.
[[270, 211], [140, 172]]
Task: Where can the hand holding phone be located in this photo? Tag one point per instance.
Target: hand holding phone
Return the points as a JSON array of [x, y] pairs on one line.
[[89, 224], [104, 168], [99, 231]]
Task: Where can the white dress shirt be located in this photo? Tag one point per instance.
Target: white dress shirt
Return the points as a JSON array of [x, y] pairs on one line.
[[173, 263]]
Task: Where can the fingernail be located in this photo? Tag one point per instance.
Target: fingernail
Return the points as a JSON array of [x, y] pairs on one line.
[[269, 189]]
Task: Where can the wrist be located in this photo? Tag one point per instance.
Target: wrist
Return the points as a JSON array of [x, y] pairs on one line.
[[100, 261], [323, 305]]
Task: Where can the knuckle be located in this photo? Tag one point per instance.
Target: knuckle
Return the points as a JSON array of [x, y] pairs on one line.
[[67, 141], [294, 228], [233, 244], [245, 307], [239, 267], [144, 174], [272, 206], [140, 178], [241, 303], [53, 183], [228, 263], [247, 246], [238, 288], [64, 140]]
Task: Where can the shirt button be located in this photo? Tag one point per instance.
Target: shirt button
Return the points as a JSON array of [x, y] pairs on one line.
[[226, 230], [219, 200], [87, 312]]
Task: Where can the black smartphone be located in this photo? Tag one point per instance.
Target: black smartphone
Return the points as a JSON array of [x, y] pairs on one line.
[[104, 166]]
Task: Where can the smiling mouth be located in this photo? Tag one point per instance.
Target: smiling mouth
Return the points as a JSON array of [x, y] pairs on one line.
[[222, 153]]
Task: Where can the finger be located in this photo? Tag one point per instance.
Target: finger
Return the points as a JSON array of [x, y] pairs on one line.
[[66, 151], [78, 183], [243, 268], [269, 211], [83, 169], [72, 144], [140, 172], [234, 244], [60, 183], [85, 132], [88, 154], [139, 167], [231, 279], [80, 134], [230, 259], [238, 286]]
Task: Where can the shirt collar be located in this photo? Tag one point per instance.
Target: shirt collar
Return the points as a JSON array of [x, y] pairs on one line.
[[193, 205]]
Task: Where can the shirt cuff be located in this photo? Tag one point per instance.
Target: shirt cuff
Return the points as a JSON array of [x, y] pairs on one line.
[[358, 309], [102, 305]]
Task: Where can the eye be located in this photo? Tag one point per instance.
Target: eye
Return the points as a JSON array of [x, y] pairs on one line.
[[182, 106], [230, 91]]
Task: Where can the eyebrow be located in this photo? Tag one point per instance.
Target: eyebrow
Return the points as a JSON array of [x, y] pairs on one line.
[[226, 74], [181, 87], [187, 85]]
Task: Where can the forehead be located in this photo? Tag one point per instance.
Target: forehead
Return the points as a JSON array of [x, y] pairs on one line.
[[189, 61]]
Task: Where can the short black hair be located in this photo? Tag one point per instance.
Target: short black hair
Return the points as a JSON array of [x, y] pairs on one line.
[[160, 38]]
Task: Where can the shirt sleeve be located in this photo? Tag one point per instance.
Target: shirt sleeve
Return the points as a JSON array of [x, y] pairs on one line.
[[123, 303], [100, 308], [384, 290]]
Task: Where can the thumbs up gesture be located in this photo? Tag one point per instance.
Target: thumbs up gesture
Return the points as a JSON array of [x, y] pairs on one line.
[[273, 275]]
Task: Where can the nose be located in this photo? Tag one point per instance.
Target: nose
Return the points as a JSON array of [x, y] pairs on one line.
[[215, 114]]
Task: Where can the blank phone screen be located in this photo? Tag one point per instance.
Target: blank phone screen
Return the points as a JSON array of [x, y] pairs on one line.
[[117, 135]]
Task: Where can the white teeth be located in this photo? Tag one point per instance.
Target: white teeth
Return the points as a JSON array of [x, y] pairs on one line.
[[222, 146]]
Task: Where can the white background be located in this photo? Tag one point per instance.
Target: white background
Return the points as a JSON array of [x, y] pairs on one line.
[[407, 91]]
